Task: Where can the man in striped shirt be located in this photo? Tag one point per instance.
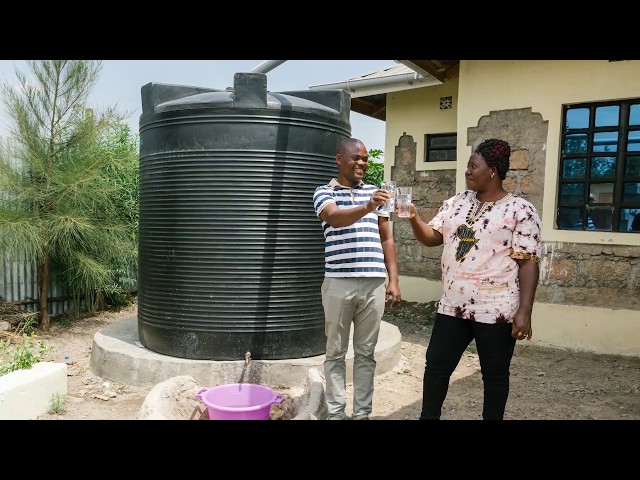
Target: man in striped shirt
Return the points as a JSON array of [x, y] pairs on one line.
[[590, 224], [359, 256]]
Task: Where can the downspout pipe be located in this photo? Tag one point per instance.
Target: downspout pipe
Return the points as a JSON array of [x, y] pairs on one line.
[[267, 66]]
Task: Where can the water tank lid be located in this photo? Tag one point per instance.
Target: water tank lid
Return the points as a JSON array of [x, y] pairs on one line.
[[224, 99]]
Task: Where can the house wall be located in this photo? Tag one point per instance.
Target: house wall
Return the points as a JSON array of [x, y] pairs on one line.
[[588, 295], [417, 112]]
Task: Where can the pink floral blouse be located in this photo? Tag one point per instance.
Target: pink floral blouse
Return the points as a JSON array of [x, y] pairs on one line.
[[481, 245]]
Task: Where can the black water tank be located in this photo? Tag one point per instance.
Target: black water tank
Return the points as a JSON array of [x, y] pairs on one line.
[[231, 253]]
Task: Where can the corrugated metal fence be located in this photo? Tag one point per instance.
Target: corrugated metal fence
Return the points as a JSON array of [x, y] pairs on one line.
[[19, 283]]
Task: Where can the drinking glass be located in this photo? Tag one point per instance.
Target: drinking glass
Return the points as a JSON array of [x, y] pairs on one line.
[[390, 204], [403, 199]]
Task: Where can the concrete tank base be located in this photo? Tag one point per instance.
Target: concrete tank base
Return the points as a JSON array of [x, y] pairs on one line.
[[117, 354]]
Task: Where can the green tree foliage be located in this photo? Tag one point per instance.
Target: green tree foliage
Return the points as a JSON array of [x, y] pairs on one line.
[[64, 178], [375, 172], [123, 144], [104, 261]]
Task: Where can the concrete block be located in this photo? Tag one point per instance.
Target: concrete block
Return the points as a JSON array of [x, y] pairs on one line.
[[26, 394]]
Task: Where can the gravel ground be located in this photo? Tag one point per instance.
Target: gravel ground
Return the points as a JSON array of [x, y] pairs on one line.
[[546, 383]]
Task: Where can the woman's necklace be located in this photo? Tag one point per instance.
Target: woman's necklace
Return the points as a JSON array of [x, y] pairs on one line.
[[478, 209], [465, 232]]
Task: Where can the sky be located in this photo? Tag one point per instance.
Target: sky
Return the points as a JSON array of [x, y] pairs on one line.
[[120, 82]]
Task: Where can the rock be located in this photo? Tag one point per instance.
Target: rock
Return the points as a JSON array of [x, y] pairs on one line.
[[173, 399]]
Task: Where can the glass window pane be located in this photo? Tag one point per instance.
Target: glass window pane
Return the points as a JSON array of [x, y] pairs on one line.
[[630, 220], [577, 118], [607, 116], [572, 193], [576, 143], [631, 192], [603, 167], [633, 144], [600, 218], [441, 155], [633, 167], [446, 141], [605, 142], [634, 115], [569, 218], [574, 168], [601, 192]]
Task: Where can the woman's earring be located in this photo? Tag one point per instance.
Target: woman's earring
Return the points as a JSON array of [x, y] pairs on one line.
[[492, 175]]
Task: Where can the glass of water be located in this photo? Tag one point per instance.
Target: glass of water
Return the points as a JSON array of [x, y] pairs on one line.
[[403, 199], [390, 204]]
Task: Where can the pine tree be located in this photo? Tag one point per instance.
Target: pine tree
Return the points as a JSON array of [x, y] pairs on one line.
[[56, 195]]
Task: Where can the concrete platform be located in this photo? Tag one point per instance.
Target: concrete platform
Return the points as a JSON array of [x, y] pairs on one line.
[[25, 394], [116, 356]]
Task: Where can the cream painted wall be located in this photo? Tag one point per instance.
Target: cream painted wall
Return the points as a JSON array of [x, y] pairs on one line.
[[417, 289], [545, 86], [599, 330], [417, 112]]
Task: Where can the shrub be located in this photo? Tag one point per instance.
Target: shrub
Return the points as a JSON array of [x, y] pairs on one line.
[[375, 172], [24, 356]]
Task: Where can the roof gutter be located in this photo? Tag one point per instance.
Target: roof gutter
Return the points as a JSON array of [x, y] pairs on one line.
[[371, 86], [414, 67], [267, 66]]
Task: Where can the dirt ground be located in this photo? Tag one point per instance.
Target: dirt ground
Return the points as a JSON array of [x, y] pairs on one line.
[[546, 384]]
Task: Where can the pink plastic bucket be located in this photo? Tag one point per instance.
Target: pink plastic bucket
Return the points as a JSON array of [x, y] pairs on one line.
[[239, 401]]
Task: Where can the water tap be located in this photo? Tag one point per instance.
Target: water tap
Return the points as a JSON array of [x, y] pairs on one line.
[[247, 357]]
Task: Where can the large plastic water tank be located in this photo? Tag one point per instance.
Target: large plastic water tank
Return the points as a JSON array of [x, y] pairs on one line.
[[231, 253]]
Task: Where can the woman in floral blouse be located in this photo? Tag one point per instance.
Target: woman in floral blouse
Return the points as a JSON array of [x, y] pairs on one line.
[[490, 270]]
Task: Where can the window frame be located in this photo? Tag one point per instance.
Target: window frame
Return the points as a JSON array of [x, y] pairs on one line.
[[428, 137], [622, 155]]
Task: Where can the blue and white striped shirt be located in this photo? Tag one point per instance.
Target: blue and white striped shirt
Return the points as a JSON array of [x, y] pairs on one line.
[[590, 224], [356, 250]]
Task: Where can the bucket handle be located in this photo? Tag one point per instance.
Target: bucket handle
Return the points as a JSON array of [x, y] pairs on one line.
[[277, 401], [201, 392]]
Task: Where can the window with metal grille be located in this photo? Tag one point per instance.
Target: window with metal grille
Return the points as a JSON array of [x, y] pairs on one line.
[[599, 178], [441, 147]]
